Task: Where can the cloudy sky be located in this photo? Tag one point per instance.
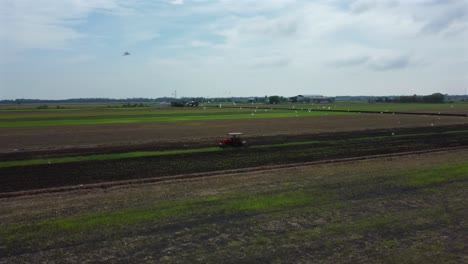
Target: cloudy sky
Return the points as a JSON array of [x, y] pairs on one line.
[[73, 48]]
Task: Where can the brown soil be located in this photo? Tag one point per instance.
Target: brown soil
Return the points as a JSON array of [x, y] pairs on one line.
[[285, 235], [330, 146], [64, 137]]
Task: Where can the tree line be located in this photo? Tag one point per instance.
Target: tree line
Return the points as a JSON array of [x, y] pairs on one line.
[[433, 98]]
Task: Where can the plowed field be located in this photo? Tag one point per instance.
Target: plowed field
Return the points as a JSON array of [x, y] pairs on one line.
[[16, 139], [263, 151]]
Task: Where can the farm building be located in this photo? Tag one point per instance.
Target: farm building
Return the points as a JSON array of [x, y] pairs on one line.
[[251, 100], [312, 99]]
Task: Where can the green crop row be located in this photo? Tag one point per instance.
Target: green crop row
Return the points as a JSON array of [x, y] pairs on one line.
[[139, 154], [207, 116], [135, 154], [213, 204]]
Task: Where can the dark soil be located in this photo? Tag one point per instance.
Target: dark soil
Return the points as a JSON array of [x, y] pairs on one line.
[[206, 132], [331, 146]]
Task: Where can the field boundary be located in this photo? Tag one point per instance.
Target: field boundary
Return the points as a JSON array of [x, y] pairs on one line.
[[220, 173], [349, 111]]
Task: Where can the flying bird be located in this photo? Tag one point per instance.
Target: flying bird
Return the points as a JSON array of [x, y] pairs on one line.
[[126, 53]]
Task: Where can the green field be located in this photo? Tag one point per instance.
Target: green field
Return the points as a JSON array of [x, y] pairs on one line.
[[101, 115], [120, 116], [401, 107]]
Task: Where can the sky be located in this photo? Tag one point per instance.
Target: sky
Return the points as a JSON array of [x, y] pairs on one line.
[[59, 49]]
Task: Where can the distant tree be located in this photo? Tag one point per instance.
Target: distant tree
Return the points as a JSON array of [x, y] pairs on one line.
[[259, 99], [434, 98], [274, 99]]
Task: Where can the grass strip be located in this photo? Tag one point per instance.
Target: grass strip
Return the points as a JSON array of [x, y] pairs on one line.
[[436, 175], [245, 115], [33, 116], [140, 154], [174, 209], [136, 154]]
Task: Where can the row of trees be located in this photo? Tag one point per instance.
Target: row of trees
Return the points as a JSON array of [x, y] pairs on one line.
[[275, 99], [433, 98], [183, 103]]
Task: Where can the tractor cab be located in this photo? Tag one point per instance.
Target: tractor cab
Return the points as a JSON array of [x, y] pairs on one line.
[[233, 140]]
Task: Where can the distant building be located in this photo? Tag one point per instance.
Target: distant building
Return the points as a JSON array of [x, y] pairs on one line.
[[318, 99]]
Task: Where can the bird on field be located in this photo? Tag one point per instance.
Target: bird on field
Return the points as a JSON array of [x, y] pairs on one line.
[[126, 53]]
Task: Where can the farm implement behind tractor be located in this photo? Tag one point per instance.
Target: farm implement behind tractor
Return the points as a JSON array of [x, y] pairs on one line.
[[233, 140]]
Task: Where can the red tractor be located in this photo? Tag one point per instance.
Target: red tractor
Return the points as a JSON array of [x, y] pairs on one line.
[[234, 140]]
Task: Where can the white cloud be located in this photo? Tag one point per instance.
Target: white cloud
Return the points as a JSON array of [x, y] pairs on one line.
[[200, 44], [267, 62], [359, 6], [385, 63], [47, 24], [350, 61], [256, 46], [176, 2], [80, 58]]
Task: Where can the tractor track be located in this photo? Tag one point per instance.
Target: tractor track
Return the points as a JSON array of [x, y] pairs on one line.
[[219, 173]]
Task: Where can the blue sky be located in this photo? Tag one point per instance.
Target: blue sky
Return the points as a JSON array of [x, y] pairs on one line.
[[55, 49]]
